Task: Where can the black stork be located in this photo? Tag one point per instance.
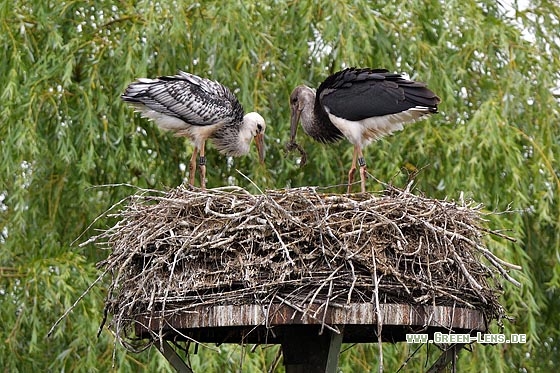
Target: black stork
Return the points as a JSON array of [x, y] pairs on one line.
[[362, 105], [199, 109]]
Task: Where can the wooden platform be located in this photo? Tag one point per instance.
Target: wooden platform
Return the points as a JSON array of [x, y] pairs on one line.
[[356, 322], [310, 340]]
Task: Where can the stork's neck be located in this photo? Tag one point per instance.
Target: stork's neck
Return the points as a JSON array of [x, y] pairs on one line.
[[233, 139], [316, 123], [228, 140], [245, 136], [308, 117]]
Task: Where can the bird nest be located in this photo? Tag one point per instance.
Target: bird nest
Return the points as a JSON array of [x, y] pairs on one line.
[[171, 252]]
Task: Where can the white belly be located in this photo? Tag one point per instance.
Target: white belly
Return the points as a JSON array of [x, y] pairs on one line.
[[365, 131]]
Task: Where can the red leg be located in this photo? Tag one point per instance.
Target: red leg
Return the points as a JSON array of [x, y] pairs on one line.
[[192, 166], [363, 175], [202, 166], [353, 168]]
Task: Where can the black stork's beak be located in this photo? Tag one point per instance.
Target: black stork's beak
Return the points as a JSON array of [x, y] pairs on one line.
[[296, 107], [294, 120], [259, 142]]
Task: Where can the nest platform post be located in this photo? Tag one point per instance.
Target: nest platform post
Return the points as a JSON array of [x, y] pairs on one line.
[[305, 270], [311, 353]]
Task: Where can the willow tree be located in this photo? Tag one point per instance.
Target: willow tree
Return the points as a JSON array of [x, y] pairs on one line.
[[65, 135]]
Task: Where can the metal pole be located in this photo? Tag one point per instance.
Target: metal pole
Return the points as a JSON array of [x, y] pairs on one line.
[[174, 359]]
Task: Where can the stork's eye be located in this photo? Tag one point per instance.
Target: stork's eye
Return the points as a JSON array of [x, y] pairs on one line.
[[294, 100], [259, 127]]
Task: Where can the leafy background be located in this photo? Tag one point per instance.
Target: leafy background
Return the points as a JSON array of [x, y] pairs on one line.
[[64, 132]]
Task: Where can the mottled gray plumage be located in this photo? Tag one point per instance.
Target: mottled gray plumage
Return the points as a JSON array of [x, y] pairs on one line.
[[195, 100], [199, 109]]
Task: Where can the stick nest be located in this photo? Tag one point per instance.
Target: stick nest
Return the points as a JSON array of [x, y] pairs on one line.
[[171, 252]]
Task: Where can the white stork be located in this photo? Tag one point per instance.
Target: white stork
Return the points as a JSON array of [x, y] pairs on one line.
[[362, 105], [199, 109]]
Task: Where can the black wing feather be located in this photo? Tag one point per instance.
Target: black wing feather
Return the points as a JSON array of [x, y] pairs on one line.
[[357, 94]]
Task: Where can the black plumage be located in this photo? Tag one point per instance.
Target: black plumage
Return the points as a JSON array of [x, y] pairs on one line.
[[362, 105], [357, 94]]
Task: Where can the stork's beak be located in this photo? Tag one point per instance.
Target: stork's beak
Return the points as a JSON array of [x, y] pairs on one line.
[[259, 141], [294, 121]]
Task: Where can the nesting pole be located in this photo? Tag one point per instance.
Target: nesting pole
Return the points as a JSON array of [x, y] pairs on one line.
[[308, 352], [305, 270]]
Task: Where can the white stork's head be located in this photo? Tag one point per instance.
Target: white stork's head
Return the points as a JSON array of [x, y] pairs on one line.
[[253, 127]]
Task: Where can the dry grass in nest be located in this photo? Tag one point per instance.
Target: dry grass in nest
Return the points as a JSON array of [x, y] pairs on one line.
[[171, 252]]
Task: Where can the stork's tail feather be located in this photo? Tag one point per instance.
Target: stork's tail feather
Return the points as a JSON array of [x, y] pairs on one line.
[[422, 96], [137, 90]]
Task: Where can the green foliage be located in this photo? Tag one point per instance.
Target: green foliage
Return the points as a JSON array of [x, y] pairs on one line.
[[64, 132]]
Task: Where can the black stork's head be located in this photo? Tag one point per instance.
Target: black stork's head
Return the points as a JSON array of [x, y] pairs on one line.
[[302, 100]]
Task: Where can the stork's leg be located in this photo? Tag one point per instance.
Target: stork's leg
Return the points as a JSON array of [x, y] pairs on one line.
[[192, 166], [202, 166], [353, 168], [363, 176]]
